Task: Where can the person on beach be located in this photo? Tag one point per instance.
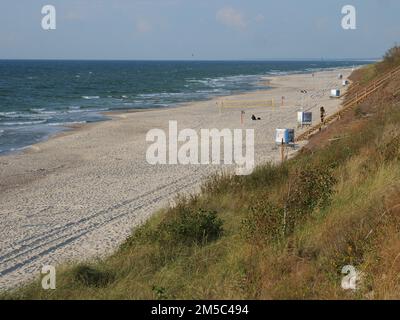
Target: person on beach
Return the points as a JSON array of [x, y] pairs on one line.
[[323, 113]]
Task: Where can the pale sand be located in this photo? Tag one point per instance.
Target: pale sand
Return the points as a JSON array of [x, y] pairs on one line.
[[79, 194]]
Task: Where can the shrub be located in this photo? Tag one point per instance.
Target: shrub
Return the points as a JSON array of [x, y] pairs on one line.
[[390, 150], [264, 223], [221, 183], [159, 292], [313, 187], [189, 227], [92, 277], [308, 189], [392, 56]]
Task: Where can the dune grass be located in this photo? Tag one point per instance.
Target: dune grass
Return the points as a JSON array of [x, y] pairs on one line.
[[284, 232]]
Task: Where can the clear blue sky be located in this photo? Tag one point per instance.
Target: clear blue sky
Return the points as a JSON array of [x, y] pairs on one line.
[[209, 29]]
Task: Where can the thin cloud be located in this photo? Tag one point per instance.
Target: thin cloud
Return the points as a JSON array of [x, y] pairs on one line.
[[231, 18]]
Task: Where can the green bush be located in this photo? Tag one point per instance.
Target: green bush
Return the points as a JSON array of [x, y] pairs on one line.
[[189, 227], [92, 277], [308, 189], [392, 56], [264, 223]]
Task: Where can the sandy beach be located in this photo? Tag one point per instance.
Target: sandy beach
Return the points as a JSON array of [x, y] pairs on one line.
[[78, 195]]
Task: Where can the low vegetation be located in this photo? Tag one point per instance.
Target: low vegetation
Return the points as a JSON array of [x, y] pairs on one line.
[[284, 232], [391, 59]]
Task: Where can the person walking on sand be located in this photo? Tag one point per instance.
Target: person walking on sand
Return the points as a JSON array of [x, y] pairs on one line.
[[323, 113]]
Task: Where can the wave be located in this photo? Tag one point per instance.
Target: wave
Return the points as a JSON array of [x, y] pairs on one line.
[[162, 95], [7, 114], [37, 114], [23, 123], [62, 124], [75, 110], [37, 110], [277, 73], [90, 97], [50, 112]]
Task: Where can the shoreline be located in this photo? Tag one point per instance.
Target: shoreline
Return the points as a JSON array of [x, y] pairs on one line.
[[116, 114], [77, 195]]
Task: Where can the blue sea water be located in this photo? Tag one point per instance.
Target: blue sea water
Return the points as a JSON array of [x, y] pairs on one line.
[[39, 98]]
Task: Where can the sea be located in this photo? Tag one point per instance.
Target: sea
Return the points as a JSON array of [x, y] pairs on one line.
[[39, 98]]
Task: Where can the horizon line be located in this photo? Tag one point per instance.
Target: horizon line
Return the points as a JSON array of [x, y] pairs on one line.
[[201, 60]]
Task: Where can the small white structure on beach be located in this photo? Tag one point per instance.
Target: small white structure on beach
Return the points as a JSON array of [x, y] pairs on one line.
[[304, 118], [335, 93], [284, 135], [345, 83]]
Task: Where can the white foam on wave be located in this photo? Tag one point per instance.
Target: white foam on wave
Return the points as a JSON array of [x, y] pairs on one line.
[[61, 124], [90, 97], [8, 113], [210, 86], [277, 73], [49, 112], [37, 115], [221, 82], [161, 95], [33, 116], [75, 109], [39, 110], [23, 123], [100, 110]]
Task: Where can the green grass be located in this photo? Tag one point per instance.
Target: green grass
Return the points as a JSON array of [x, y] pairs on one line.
[[284, 232]]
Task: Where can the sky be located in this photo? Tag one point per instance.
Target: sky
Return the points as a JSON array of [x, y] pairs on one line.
[[197, 29]]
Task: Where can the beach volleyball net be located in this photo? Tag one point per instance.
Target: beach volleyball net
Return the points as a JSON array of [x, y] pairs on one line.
[[245, 104]]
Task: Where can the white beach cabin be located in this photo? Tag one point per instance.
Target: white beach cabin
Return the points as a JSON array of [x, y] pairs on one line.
[[304, 118], [335, 93], [285, 135]]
